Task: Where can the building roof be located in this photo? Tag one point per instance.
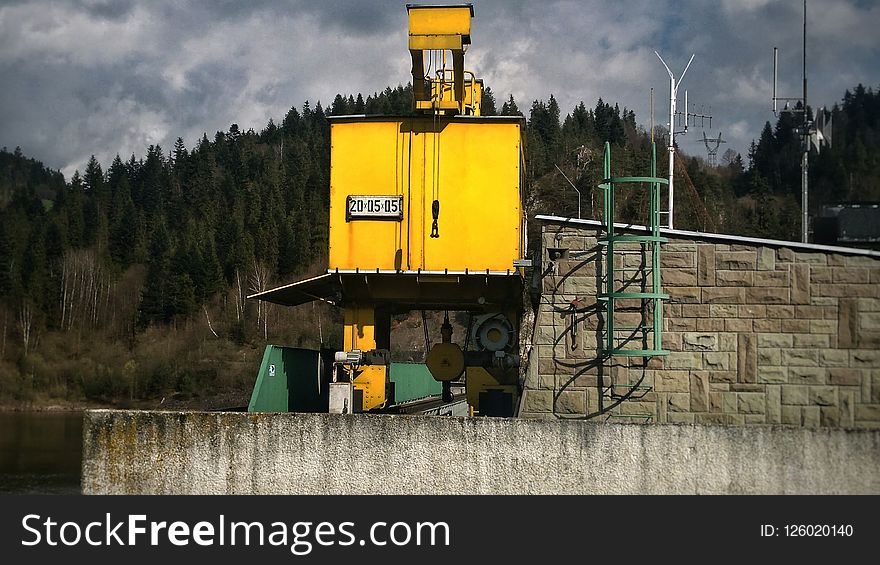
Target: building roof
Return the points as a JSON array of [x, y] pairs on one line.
[[717, 237]]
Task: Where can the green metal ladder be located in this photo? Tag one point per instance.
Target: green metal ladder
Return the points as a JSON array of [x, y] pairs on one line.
[[645, 338]]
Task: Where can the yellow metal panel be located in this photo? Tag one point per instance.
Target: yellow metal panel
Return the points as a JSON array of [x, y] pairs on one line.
[[435, 42], [359, 333], [477, 185], [437, 20], [372, 381], [364, 160], [479, 379], [359, 330], [473, 95]]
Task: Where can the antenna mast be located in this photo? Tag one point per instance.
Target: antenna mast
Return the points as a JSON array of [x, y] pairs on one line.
[[808, 131], [686, 115]]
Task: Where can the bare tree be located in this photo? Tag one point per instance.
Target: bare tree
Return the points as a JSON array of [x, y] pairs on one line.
[[85, 290], [260, 279], [210, 327], [239, 296], [3, 340], [26, 324], [728, 157]]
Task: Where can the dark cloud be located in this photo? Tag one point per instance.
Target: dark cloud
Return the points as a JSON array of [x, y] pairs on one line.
[[356, 16], [106, 9], [107, 77]]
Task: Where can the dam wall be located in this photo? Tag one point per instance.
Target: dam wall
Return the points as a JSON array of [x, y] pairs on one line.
[[145, 452]]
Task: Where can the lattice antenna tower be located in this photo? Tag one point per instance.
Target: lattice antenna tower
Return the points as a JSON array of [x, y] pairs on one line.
[[712, 145]]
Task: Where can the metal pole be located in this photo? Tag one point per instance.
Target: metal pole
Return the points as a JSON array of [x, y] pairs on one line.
[[673, 88], [805, 164], [671, 147], [574, 187], [775, 67]]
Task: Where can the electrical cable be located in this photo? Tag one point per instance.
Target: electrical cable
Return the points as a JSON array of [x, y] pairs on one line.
[[599, 362], [425, 327]]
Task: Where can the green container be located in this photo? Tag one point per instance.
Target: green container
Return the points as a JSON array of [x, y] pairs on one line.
[[292, 379], [413, 381]]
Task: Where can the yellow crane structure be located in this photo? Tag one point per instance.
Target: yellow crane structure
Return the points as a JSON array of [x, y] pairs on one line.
[[425, 214]]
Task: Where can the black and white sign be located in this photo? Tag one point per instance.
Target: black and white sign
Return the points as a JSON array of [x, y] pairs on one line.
[[374, 208]]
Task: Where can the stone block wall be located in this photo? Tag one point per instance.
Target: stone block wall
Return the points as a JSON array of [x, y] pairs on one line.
[[759, 332]]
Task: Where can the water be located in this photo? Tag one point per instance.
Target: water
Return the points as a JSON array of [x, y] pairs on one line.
[[40, 452]]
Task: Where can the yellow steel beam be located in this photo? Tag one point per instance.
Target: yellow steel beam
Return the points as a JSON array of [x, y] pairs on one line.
[[439, 20], [359, 331]]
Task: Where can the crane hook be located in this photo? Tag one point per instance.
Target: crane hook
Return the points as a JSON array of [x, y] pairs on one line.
[[435, 212]]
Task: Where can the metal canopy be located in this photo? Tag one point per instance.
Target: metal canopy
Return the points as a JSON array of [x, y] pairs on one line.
[[322, 287], [402, 291]]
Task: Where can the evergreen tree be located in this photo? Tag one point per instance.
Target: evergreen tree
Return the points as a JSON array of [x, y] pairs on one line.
[[509, 108], [7, 260], [211, 271], [74, 212], [487, 105], [155, 303], [340, 106], [180, 289]]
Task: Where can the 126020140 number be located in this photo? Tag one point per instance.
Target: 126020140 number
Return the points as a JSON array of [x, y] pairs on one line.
[[818, 530]]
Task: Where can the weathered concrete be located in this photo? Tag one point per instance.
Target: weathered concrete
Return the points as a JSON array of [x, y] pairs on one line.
[[197, 453]]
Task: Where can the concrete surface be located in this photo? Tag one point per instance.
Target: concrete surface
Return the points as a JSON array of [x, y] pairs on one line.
[[140, 452]]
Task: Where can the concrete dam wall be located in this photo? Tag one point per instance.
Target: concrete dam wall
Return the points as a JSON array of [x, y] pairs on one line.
[[133, 452]]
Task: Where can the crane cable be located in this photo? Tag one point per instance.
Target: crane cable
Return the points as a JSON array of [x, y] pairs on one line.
[[435, 192]]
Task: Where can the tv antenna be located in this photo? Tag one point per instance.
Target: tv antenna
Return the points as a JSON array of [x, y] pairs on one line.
[[712, 150], [813, 132], [681, 119]]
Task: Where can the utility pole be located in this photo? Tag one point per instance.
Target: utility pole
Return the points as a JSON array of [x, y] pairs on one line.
[[805, 164], [806, 130], [673, 91]]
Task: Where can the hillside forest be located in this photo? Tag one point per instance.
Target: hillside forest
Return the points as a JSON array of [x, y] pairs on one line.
[[126, 284]]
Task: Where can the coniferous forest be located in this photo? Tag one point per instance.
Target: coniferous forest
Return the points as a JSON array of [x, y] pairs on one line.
[[127, 283]]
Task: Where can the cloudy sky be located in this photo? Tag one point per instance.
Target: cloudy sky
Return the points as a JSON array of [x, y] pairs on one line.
[[82, 77]]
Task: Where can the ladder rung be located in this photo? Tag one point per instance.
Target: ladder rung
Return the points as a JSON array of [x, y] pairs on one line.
[[634, 238], [636, 352], [632, 295]]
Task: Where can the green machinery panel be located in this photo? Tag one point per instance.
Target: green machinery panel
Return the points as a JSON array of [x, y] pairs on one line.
[[413, 381], [291, 380]]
